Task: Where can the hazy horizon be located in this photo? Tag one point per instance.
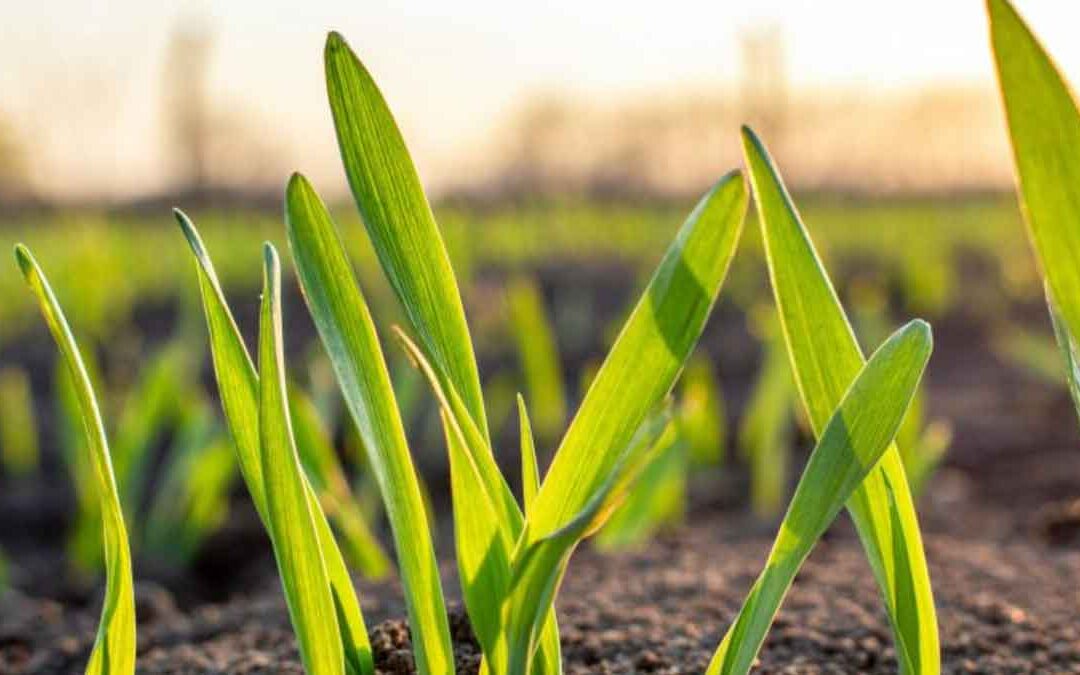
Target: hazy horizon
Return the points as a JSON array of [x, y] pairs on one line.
[[454, 75]]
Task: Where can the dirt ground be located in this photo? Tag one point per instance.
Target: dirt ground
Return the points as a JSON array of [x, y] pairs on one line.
[[1001, 524], [1008, 603]]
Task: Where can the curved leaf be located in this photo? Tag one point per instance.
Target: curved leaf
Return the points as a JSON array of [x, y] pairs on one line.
[[292, 525], [238, 386], [1044, 124], [852, 442], [825, 359], [400, 223], [345, 327], [114, 646]]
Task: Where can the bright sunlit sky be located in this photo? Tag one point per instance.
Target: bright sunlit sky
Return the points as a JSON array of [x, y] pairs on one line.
[[81, 79]]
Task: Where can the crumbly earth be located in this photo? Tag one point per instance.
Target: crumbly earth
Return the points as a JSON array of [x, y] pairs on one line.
[[1008, 603]]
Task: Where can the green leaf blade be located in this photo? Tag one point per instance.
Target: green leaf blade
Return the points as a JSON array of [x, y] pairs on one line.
[[238, 387], [647, 357], [853, 441], [292, 525], [598, 457], [530, 472], [399, 221], [346, 329], [826, 358], [1044, 125], [114, 647]]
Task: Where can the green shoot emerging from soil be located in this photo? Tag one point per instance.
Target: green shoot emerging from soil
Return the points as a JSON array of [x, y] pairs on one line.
[[322, 603], [1044, 124], [624, 441], [825, 359], [114, 646], [539, 355], [853, 440]]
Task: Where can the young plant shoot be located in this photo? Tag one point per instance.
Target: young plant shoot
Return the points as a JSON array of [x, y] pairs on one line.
[[114, 646], [1044, 125], [852, 442], [825, 359], [322, 602]]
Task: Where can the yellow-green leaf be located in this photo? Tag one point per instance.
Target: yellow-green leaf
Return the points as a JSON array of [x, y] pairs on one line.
[[825, 359], [114, 646], [852, 442]]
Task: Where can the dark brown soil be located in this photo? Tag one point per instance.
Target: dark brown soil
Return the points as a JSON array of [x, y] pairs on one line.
[[1008, 603], [1002, 528]]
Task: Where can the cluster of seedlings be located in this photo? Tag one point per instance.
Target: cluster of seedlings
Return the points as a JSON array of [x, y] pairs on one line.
[[615, 459]]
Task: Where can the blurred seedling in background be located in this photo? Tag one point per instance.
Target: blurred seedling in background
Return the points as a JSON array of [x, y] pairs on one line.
[[923, 444], [19, 453], [766, 433], [538, 352]]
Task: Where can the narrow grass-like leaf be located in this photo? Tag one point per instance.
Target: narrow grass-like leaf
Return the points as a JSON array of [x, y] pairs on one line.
[[400, 223], [238, 385], [485, 528], [539, 355], [344, 324], [852, 442], [646, 358], [635, 377], [702, 418], [1044, 125], [540, 563], [825, 359], [292, 524], [482, 532], [530, 472], [328, 479], [114, 646]]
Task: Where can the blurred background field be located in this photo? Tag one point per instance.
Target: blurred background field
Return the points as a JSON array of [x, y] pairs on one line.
[[557, 192]]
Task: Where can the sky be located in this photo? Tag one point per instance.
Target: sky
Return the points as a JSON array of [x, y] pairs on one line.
[[82, 78]]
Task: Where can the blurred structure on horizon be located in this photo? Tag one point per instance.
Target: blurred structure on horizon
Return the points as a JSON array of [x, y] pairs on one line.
[[212, 150], [932, 141], [934, 138]]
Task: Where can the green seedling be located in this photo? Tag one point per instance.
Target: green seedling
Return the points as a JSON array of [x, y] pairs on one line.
[[538, 351], [1044, 125], [114, 647], [825, 359], [322, 602], [702, 416], [852, 442], [511, 557], [765, 435], [18, 424], [193, 499]]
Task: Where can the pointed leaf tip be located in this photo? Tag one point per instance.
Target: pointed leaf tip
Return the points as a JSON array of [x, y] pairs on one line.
[[23, 257]]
